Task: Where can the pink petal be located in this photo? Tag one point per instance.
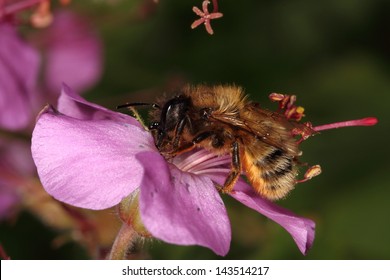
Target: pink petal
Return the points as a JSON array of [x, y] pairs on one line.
[[215, 15], [88, 164], [73, 105], [301, 229], [197, 22], [19, 64], [182, 208], [198, 11], [216, 168], [209, 29], [74, 53], [204, 7]]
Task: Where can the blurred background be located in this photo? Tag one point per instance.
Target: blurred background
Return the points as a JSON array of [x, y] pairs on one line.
[[334, 55]]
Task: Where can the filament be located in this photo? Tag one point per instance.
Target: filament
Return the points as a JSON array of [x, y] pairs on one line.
[[361, 122]]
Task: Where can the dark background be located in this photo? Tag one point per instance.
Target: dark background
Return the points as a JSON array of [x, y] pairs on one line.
[[334, 55]]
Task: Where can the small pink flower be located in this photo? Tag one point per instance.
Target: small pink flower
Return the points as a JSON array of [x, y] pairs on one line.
[[205, 17], [91, 157]]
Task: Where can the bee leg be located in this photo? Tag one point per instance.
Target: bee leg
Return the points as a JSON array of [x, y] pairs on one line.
[[235, 172], [189, 146], [179, 130], [178, 133]]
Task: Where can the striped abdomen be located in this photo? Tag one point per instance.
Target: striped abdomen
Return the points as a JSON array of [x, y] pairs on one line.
[[273, 173]]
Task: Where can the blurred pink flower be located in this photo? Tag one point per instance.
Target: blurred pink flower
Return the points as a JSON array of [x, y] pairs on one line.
[[91, 157], [19, 65], [73, 52], [68, 42]]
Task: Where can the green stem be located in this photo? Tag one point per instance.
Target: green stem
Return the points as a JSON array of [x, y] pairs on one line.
[[123, 242]]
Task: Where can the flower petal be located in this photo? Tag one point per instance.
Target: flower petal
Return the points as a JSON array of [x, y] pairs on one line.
[[88, 164], [197, 11], [209, 29], [74, 53], [19, 64], [197, 22], [182, 208], [73, 105], [215, 15], [301, 229]]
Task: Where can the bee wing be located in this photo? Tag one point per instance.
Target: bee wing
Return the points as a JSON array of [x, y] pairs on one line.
[[266, 126]]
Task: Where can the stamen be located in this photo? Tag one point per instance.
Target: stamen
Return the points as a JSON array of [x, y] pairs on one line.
[[310, 173], [370, 121], [215, 6], [276, 97]]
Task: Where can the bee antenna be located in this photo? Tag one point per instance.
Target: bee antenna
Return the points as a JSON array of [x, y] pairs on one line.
[[154, 105]]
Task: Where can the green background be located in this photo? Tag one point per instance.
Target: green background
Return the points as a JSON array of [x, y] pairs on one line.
[[334, 55]]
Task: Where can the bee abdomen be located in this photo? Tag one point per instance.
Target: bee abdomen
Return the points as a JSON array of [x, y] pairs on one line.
[[273, 156], [283, 170], [273, 175]]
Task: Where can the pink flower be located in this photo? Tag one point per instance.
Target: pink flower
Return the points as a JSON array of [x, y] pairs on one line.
[[20, 96], [91, 157], [73, 52], [205, 17]]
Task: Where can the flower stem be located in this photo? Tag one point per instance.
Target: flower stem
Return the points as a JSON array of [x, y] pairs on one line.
[[215, 6], [362, 122], [124, 240]]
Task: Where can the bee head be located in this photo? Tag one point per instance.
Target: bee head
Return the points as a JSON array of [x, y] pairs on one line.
[[172, 119]]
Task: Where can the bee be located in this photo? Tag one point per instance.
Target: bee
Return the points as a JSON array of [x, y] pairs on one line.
[[222, 120]]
